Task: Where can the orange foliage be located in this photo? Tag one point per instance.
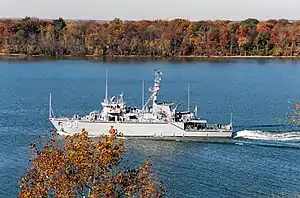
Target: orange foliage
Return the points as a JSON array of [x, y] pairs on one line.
[[86, 167], [263, 27], [294, 117]]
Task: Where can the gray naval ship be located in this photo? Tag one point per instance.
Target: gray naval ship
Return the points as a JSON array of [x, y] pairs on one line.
[[154, 119]]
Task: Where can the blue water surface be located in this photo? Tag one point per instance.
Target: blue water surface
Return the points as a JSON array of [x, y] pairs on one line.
[[263, 161]]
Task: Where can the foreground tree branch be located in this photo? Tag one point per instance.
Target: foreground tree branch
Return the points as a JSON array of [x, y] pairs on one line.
[[84, 167], [294, 116]]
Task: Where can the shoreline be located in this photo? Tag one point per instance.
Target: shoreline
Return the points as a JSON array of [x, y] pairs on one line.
[[21, 56]]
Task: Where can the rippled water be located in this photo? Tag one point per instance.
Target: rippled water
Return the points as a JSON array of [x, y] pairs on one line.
[[262, 161]]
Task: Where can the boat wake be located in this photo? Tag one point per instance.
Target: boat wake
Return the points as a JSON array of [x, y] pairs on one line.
[[273, 136]]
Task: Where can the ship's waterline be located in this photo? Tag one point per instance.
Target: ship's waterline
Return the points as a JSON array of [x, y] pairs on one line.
[[158, 130]]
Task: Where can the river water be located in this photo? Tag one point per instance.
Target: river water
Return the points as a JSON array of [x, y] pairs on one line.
[[263, 160]]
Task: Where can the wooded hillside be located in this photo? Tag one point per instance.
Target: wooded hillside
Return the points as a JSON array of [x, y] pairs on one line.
[[177, 37]]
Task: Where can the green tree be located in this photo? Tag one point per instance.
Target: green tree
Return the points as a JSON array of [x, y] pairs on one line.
[[58, 25], [250, 22]]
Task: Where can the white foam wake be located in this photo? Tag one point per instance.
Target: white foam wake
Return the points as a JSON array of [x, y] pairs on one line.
[[261, 135]]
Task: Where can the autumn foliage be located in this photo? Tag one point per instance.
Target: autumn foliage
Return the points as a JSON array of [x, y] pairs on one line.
[[294, 116], [178, 37], [84, 167]]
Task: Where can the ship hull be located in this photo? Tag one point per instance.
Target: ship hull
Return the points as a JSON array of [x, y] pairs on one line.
[[134, 129]]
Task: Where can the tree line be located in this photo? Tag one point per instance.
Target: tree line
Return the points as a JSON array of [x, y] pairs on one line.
[[178, 37]]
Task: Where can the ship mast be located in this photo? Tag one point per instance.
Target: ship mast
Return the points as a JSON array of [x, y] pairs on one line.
[[188, 97], [106, 86], [51, 113], [143, 93], [155, 88]]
